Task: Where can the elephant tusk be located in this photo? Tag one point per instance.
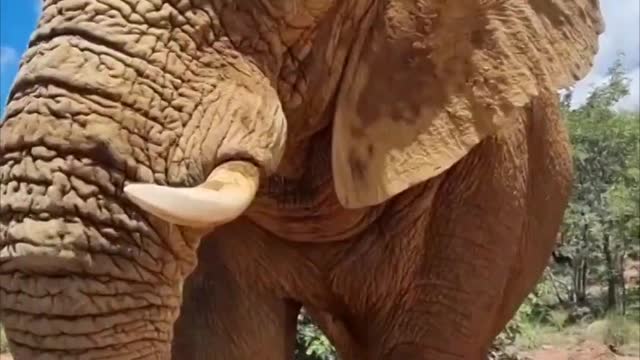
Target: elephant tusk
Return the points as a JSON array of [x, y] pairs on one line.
[[225, 195]]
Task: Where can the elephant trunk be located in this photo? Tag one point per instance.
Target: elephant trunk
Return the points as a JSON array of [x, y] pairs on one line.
[[110, 117], [82, 275]]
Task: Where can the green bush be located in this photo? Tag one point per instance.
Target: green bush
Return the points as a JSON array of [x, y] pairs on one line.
[[530, 336], [558, 318], [312, 344]]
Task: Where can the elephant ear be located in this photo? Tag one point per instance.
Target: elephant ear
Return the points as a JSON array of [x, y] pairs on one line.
[[428, 80]]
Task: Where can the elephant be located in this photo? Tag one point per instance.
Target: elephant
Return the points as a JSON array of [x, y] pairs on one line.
[[180, 177]]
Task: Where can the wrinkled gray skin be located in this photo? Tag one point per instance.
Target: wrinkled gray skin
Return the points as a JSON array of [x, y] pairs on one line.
[[113, 92]]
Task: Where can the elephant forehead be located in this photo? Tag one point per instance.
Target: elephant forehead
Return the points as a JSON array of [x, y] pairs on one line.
[[154, 75]]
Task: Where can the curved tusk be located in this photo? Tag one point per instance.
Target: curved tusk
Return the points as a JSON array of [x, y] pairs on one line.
[[227, 192]]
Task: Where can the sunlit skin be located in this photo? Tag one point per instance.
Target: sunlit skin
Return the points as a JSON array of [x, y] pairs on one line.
[[399, 168]]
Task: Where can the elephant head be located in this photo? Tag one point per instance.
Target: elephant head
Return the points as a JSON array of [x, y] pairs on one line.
[[135, 127]]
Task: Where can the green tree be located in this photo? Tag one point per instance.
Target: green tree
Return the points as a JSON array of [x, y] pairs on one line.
[[602, 219], [601, 228]]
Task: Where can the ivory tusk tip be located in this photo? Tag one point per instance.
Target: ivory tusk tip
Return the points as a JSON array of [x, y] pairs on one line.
[[201, 206]]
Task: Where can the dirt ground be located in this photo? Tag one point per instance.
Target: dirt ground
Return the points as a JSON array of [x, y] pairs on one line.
[[588, 350]]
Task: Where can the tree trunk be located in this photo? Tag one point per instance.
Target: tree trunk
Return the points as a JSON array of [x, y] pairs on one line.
[[583, 281], [622, 282], [580, 279], [580, 270], [553, 281], [611, 274]]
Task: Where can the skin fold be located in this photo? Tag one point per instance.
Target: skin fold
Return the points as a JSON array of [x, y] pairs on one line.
[[413, 174]]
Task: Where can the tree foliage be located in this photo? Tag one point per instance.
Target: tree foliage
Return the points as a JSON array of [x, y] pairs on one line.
[[312, 344], [601, 227]]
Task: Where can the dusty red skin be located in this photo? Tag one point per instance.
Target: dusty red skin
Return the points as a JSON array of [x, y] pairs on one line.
[[119, 91]]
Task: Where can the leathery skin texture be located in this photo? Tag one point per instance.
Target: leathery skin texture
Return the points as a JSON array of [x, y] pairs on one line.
[[410, 219]]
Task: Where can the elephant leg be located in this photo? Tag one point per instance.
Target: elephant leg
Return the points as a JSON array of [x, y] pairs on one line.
[[548, 153], [474, 242], [476, 249], [223, 317]]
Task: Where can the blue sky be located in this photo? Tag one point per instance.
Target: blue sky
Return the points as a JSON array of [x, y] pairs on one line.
[[18, 19]]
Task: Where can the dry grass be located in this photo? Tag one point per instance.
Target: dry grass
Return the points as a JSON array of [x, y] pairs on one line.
[[618, 331], [623, 333], [4, 344]]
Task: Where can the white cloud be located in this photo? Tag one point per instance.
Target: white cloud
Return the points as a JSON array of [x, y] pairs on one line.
[[621, 32], [632, 101], [622, 18], [7, 57]]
